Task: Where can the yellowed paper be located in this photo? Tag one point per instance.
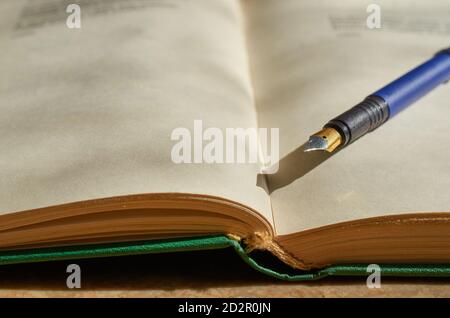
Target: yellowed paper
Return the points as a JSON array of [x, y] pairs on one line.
[[312, 60], [88, 113]]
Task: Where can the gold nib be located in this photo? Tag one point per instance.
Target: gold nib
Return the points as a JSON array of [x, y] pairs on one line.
[[328, 139]]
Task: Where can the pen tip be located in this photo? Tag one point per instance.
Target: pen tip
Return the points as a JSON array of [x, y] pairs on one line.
[[328, 139], [316, 143]]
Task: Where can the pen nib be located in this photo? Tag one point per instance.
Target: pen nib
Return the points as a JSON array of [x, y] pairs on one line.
[[316, 143], [328, 139]]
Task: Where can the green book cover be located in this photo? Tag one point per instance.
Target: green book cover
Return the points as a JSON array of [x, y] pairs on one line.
[[208, 243]]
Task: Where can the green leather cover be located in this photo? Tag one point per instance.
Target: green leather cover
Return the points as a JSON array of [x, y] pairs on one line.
[[206, 243]]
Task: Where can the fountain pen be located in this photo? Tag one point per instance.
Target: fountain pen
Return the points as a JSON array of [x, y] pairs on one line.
[[382, 105]]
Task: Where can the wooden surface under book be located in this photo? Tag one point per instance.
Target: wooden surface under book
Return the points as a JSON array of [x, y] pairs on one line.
[[219, 273]]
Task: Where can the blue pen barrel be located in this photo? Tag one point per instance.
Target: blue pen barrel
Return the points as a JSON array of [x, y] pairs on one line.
[[412, 86], [387, 102]]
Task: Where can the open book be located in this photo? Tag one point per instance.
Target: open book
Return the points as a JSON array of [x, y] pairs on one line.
[[87, 117]]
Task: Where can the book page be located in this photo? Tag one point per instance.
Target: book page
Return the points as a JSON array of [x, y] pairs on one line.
[[89, 113], [313, 60]]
